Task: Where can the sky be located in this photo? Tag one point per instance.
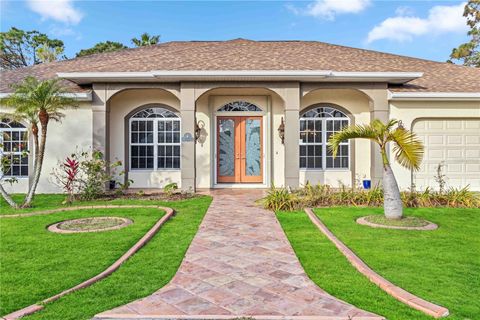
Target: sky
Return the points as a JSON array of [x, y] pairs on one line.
[[424, 29]]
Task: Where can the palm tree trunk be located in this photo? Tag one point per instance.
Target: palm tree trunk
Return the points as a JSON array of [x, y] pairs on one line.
[[392, 201], [39, 155], [8, 198]]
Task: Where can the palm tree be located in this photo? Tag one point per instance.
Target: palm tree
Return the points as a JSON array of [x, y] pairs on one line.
[[408, 151], [38, 102], [145, 40]]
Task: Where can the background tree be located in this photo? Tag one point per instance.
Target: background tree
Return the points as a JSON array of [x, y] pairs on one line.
[[20, 48], [145, 40], [408, 151], [37, 102], [469, 53], [46, 53], [107, 46]]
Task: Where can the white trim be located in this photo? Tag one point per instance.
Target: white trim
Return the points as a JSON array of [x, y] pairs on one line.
[[443, 96], [390, 77], [16, 153], [81, 96], [324, 143], [265, 177], [155, 144], [243, 75]]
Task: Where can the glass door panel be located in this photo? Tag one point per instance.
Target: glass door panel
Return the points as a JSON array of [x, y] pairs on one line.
[[252, 150], [226, 145]]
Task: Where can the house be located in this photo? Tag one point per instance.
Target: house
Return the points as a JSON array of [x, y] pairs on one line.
[[248, 114]]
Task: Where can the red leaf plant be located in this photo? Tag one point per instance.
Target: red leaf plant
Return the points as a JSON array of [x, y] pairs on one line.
[[71, 169]]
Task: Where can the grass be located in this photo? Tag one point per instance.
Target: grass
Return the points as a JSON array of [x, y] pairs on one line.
[[36, 264], [441, 266], [404, 222]]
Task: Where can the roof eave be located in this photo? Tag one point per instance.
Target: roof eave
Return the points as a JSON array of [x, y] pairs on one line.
[[434, 96], [240, 75], [80, 96]]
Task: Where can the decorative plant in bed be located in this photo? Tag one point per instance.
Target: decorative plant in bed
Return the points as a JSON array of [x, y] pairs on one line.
[[408, 151]]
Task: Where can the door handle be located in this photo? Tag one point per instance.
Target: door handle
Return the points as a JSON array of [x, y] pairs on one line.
[[237, 156]]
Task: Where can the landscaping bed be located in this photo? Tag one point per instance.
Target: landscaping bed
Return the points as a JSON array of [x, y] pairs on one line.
[[322, 195], [36, 264], [438, 266], [90, 224], [404, 222]]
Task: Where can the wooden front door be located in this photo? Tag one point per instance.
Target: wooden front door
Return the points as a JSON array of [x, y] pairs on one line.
[[239, 150]]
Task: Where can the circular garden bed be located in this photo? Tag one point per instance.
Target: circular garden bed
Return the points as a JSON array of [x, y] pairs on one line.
[[93, 224], [406, 223]]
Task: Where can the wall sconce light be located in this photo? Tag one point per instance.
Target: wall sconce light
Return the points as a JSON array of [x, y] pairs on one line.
[[281, 131], [198, 131], [200, 134], [400, 124]]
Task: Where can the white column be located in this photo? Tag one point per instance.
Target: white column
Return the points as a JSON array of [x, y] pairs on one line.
[[292, 135], [379, 109], [187, 113], [100, 115]]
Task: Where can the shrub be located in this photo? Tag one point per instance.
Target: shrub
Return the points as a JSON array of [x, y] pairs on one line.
[[279, 199], [324, 195], [123, 187], [92, 174], [97, 172], [170, 188]]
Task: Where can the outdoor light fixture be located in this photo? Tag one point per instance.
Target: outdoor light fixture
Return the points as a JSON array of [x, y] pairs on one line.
[[281, 131], [400, 124], [198, 131]]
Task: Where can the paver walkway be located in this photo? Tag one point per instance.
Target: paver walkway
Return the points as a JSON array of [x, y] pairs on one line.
[[240, 263]]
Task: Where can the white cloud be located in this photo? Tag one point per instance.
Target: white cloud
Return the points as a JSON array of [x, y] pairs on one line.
[[58, 10], [329, 9], [440, 19]]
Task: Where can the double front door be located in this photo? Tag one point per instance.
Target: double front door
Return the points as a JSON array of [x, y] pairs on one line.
[[239, 150]]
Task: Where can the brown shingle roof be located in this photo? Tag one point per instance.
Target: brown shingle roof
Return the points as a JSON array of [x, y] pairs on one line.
[[241, 54]]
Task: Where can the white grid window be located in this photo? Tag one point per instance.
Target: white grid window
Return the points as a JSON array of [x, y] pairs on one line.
[[316, 127], [154, 139], [14, 147]]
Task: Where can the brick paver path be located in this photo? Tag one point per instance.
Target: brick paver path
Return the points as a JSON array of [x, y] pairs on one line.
[[240, 263]]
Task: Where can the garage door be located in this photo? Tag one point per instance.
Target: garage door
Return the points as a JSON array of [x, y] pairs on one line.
[[456, 144]]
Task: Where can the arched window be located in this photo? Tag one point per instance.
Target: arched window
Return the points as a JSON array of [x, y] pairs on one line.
[[316, 126], [154, 139], [239, 106], [14, 148]]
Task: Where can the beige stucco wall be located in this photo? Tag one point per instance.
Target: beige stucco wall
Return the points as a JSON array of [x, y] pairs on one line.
[[75, 130], [120, 105], [409, 111], [357, 105], [63, 138]]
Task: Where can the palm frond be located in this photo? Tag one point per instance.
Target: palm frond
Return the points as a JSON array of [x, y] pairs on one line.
[[32, 95], [353, 132], [408, 148]]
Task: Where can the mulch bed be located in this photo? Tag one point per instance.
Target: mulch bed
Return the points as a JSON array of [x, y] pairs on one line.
[[93, 224]]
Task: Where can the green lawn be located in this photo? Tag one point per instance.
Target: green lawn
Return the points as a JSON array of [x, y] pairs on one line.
[[36, 264], [441, 266]]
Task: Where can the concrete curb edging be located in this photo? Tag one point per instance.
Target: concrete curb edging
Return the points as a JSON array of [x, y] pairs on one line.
[[429, 227], [398, 293], [169, 212]]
